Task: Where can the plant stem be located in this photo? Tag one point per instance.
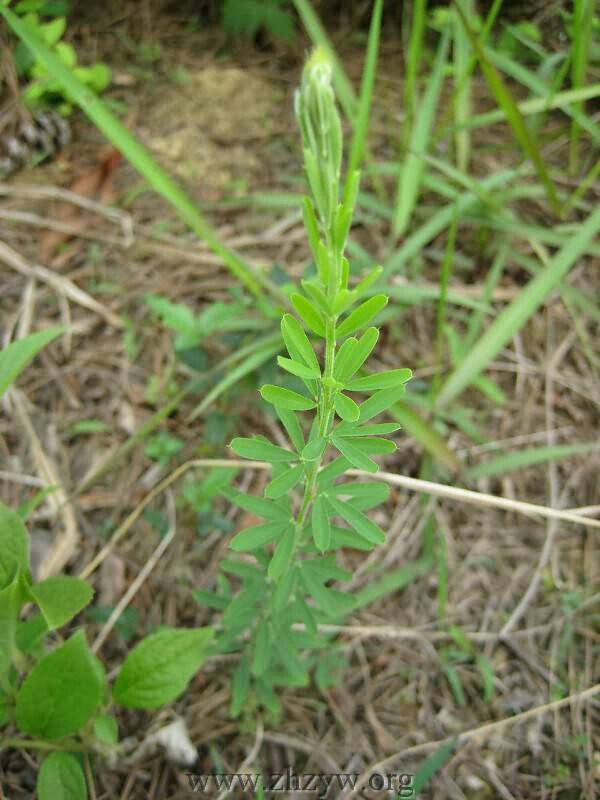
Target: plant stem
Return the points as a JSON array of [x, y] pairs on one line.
[[35, 744], [325, 416]]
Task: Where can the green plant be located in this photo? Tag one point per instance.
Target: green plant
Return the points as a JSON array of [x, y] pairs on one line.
[[248, 17], [294, 547], [54, 694], [47, 19]]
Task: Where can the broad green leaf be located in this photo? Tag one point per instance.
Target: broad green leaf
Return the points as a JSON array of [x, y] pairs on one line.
[[355, 455], [285, 482], [353, 353], [365, 283], [362, 315], [325, 568], [282, 592], [240, 687], [286, 646], [373, 445], [343, 356], [61, 778], [291, 423], [17, 355], [61, 693], [297, 342], [242, 569], [346, 537], [160, 667], [357, 520], [61, 598], [373, 492], [9, 614], [345, 407], [286, 398], [343, 300], [318, 295], [379, 429], [257, 505], [243, 605], [312, 228], [176, 316], [211, 600], [314, 449], [295, 368], [321, 527], [334, 603], [381, 380], [283, 554], [305, 613], [262, 644], [261, 450], [30, 634], [258, 535], [267, 698], [309, 314], [106, 729], [14, 545], [379, 402]]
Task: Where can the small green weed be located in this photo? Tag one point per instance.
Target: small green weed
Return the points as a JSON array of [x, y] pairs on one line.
[[55, 696], [48, 21]]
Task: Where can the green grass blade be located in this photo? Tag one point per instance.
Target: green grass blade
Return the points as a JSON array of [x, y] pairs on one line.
[[462, 54], [462, 80], [393, 582], [583, 25], [18, 354], [519, 311], [477, 318], [343, 88], [425, 434], [412, 294], [529, 79], [439, 222], [535, 105], [445, 273], [269, 348], [514, 117], [359, 137], [139, 157], [415, 23], [583, 187], [409, 182], [433, 765], [509, 461]]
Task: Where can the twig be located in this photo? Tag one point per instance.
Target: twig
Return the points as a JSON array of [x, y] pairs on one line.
[[474, 734], [58, 283], [140, 578]]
